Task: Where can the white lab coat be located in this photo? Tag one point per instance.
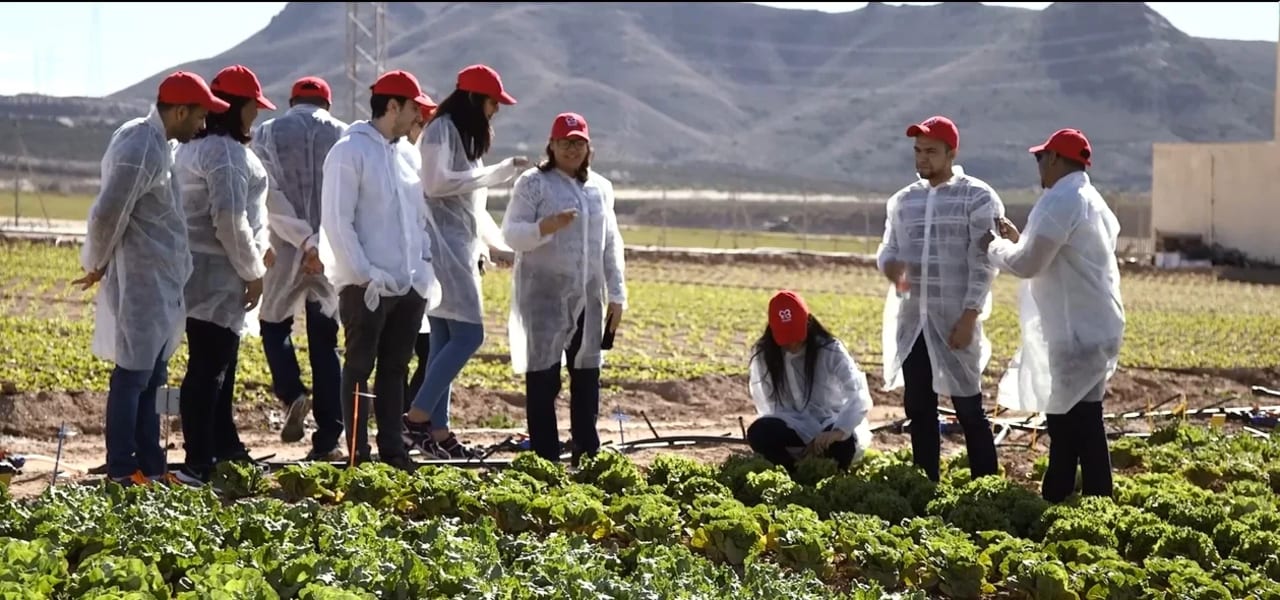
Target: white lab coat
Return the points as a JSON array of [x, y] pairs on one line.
[[409, 153], [137, 233], [575, 271], [457, 204], [1069, 303], [292, 148], [937, 231], [839, 397], [223, 187], [372, 218]]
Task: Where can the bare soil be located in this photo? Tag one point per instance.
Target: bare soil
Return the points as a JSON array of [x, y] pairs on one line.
[[710, 406]]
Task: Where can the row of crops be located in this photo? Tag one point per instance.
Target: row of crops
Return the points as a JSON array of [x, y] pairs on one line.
[[1194, 516]]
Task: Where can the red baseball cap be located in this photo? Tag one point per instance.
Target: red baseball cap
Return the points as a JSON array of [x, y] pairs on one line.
[[939, 128], [788, 318], [427, 111], [569, 125], [482, 79], [238, 80], [403, 84], [183, 87], [312, 87], [1069, 143]]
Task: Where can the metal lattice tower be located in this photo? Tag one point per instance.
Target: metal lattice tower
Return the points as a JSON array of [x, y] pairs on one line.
[[366, 54]]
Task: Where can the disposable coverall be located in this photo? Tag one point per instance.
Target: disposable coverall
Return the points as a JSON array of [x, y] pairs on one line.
[[137, 235], [376, 256], [839, 399], [1073, 321], [223, 187], [292, 148], [560, 288], [936, 231]]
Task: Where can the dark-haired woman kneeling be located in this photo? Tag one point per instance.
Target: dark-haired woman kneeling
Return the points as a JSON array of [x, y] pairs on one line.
[[810, 394]]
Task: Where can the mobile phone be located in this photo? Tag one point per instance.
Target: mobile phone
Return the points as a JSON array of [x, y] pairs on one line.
[[606, 343]]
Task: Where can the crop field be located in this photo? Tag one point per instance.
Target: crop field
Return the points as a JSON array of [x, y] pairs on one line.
[[1194, 515]]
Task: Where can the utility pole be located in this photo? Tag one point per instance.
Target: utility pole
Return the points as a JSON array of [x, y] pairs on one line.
[[366, 54]]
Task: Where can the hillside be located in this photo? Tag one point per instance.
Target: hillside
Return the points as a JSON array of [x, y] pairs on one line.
[[735, 94]]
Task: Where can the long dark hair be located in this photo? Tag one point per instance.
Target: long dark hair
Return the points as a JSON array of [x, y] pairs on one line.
[[228, 122], [818, 338], [467, 111], [581, 174]]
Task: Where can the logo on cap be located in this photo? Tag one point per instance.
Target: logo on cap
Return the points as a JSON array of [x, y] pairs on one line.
[[785, 315], [570, 121]]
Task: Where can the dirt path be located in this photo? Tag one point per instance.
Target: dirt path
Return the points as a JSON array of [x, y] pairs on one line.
[[713, 406]]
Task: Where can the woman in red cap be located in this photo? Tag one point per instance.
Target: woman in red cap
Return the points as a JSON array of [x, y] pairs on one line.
[[568, 288], [223, 189], [812, 398], [456, 181]]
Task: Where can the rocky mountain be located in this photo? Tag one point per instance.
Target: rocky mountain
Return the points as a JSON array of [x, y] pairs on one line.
[[737, 94]]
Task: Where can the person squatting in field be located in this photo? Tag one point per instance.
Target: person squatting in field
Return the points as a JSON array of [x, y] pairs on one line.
[[377, 258], [292, 148], [568, 286], [223, 188], [136, 245], [1071, 313], [933, 338], [456, 181], [810, 395]]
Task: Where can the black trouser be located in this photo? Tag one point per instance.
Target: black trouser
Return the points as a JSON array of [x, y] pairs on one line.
[[326, 371], [921, 404], [1078, 438], [541, 390], [207, 395], [383, 337], [421, 349], [772, 438]]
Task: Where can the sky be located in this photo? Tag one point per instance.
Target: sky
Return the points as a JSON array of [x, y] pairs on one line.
[[97, 48]]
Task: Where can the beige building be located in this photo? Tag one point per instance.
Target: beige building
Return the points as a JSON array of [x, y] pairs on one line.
[[1227, 193]]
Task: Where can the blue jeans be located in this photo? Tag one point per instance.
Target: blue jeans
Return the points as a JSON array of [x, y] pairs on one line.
[[452, 345], [326, 371], [133, 427]]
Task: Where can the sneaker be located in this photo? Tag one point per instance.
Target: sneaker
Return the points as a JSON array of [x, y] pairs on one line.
[[137, 478], [453, 449], [295, 417], [186, 476], [400, 461], [334, 455]]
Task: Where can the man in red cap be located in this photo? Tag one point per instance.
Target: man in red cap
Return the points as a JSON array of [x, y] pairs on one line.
[[292, 148], [377, 258], [1072, 314], [940, 295], [136, 244]]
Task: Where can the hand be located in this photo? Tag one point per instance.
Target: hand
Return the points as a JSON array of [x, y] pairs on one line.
[[896, 271], [90, 278], [269, 259], [252, 293], [553, 223], [311, 264], [521, 162], [986, 240], [962, 332], [823, 441], [614, 317], [1008, 230]]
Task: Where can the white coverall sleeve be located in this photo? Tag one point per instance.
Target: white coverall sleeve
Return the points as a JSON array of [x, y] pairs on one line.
[[982, 217], [615, 265], [852, 385], [109, 215], [760, 386], [520, 221], [888, 250], [229, 205], [282, 219], [440, 180], [1048, 229], [339, 192]]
